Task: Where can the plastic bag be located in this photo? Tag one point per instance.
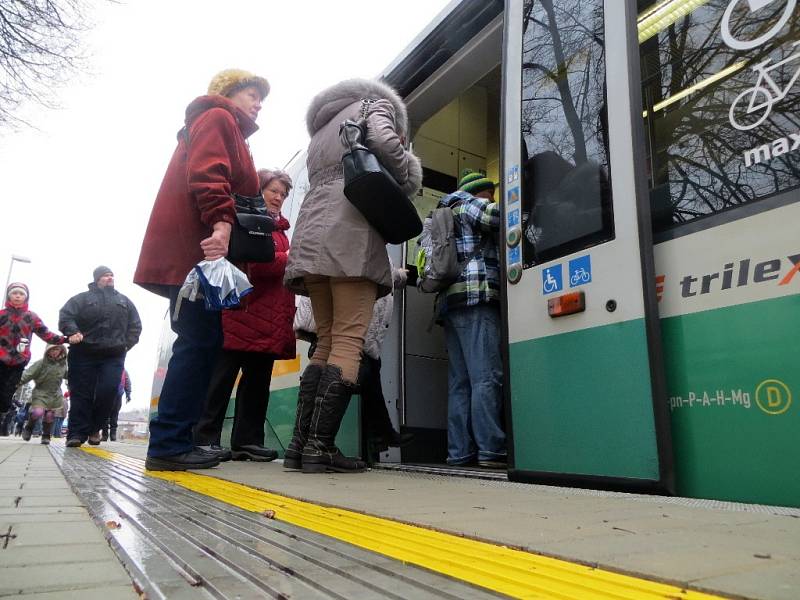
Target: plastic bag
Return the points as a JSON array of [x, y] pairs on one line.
[[218, 282]]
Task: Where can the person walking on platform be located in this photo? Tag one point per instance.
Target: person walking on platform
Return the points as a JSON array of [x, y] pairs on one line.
[[471, 315], [107, 325], [255, 336], [17, 325], [191, 221], [340, 261], [47, 400], [124, 389]]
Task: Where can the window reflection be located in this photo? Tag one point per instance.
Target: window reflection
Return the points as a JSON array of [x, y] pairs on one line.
[[714, 125], [566, 192]]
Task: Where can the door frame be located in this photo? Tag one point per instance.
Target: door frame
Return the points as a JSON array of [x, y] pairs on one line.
[[625, 11]]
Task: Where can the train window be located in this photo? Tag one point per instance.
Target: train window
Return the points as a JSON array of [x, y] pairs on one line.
[[566, 190], [722, 104]]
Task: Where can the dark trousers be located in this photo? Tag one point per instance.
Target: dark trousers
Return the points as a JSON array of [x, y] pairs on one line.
[[9, 378], [252, 398], [113, 417], [188, 373], [93, 382], [376, 415]]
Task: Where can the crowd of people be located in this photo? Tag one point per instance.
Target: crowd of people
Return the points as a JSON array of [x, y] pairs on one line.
[[333, 287]]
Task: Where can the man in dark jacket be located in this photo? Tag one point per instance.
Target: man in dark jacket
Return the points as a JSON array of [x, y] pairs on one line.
[[107, 325]]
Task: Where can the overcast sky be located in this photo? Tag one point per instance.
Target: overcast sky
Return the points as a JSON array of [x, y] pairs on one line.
[[78, 190]]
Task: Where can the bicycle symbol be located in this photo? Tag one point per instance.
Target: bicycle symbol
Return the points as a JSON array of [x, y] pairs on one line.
[[766, 88], [550, 283], [737, 44], [580, 275]]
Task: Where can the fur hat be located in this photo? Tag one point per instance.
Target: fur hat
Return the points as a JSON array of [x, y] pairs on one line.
[[474, 182], [17, 287], [99, 272], [230, 81]]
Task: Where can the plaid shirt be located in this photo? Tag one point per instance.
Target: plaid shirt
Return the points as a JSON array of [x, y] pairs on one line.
[[476, 222]]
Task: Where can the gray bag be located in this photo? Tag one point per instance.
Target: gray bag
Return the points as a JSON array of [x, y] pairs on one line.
[[438, 266]]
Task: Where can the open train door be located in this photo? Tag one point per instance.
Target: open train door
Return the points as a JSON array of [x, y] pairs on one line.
[[584, 376]]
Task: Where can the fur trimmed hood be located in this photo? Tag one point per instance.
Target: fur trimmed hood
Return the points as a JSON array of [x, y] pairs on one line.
[[328, 103]]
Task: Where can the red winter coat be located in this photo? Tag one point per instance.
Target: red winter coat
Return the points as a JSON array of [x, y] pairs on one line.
[[264, 322], [197, 191], [17, 324]]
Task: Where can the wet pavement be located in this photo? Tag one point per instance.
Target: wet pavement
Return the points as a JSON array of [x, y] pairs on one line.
[[50, 548]]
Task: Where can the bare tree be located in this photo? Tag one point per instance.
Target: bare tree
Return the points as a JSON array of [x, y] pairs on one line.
[[39, 51]]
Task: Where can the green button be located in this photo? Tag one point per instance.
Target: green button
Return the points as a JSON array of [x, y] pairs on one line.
[[514, 273], [513, 237]]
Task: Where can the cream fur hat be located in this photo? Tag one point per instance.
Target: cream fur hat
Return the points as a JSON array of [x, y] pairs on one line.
[[230, 81]]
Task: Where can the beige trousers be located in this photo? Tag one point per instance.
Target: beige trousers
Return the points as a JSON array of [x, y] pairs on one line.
[[342, 308]]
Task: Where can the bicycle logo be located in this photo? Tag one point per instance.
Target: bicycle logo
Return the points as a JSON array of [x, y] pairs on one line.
[[580, 275], [737, 44], [764, 94]]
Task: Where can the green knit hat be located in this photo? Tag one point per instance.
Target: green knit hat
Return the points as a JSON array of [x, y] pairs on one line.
[[474, 182]]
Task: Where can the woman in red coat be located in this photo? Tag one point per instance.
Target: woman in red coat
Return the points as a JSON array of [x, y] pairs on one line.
[[255, 336], [191, 221]]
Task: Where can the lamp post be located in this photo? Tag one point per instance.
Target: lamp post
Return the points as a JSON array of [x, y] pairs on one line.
[[14, 258]]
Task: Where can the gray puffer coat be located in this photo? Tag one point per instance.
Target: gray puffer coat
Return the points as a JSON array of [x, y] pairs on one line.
[[331, 237]]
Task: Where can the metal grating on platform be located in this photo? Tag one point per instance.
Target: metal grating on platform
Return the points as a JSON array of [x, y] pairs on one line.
[[175, 543]]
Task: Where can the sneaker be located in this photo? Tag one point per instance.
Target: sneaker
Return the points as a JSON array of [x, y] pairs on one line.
[[45, 440], [223, 454], [94, 439], [196, 459], [254, 452], [74, 442], [493, 464]]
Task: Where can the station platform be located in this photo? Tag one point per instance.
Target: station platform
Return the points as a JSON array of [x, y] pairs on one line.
[[92, 521]]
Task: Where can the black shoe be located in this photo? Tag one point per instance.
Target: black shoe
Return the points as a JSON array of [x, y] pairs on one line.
[[223, 454], [104, 436], [45, 440], [94, 439], [27, 432], [254, 452], [74, 442], [309, 382], [113, 435], [320, 453], [181, 462]]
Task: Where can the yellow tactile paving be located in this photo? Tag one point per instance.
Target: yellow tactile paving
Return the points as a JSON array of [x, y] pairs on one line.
[[512, 572]]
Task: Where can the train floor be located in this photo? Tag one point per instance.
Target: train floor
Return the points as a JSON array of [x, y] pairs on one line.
[[92, 523]]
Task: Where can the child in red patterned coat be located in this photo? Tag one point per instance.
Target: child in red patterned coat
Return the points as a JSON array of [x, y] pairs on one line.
[[17, 324]]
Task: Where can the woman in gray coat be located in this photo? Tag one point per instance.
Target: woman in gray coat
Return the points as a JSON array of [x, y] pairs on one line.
[[340, 261]]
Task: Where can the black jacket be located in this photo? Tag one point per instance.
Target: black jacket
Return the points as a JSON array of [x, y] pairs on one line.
[[107, 319]]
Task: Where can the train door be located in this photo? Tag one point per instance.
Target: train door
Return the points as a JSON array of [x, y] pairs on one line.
[[586, 396]]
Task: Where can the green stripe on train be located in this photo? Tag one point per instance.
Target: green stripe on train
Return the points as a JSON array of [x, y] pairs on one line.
[[733, 381], [581, 403]]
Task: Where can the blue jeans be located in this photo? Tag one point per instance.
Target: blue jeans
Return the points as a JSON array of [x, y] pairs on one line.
[[57, 423], [93, 382], [188, 373], [475, 385]]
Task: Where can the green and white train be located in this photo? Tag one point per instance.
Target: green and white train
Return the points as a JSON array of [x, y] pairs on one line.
[[648, 156]]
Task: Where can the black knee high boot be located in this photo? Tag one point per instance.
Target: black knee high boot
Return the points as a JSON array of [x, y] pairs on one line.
[[320, 453], [305, 407]]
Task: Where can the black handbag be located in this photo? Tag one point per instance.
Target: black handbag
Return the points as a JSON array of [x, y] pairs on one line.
[[372, 189], [251, 234]]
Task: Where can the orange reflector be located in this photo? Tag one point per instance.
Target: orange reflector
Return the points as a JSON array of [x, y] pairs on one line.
[[567, 304]]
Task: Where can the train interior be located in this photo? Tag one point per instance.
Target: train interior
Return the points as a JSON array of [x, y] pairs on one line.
[[456, 122]]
